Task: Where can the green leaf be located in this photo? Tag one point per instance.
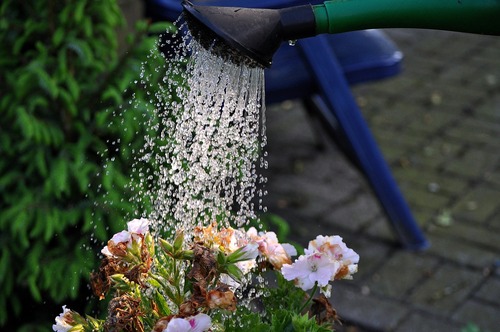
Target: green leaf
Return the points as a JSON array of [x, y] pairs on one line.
[[59, 176], [5, 261], [19, 228], [40, 220], [24, 82], [82, 49], [9, 178], [44, 80], [163, 307], [25, 122], [35, 292], [68, 102], [78, 11], [58, 37], [234, 272], [52, 219], [41, 162], [113, 95], [87, 27], [37, 102], [162, 27]]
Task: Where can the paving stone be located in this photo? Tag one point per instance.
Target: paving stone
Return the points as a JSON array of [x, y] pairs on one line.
[[418, 322], [431, 122], [429, 180], [478, 204], [495, 222], [491, 108], [313, 197], [424, 198], [446, 289], [424, 216], [490, 291], [436, 152], [393, 117], [469, 232], [492, 179], [484, 316], [394, 155], [462, 252], [473, 164], [458, 74], [303, 228], [372, 254], [475, 131], [381, 229], [398, 275], [327, 165], [390, 138], [371, 312], [355, 214]]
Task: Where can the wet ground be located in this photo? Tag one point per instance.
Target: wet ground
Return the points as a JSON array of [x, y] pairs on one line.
[[438, 125]]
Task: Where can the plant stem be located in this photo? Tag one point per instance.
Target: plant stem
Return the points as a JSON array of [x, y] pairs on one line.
[[310, 297]]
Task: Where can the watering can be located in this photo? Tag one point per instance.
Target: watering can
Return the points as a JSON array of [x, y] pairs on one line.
[[258, 33]]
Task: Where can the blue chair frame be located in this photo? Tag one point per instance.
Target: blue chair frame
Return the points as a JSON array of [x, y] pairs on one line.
[[320, 70]]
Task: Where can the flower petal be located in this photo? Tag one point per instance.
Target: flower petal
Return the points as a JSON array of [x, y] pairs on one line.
[[178, 325], [139, 226], [123, 236], [200, 323]]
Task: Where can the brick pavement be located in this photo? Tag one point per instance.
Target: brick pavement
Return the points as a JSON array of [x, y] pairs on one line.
[[438, 125]]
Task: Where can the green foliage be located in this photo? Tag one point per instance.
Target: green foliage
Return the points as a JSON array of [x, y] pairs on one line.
[[471, 327], [273, 314], [62, 88]]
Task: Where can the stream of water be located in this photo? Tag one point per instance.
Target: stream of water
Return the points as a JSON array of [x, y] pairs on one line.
[[209, 143]]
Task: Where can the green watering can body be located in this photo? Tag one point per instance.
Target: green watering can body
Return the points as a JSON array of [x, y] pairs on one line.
[[474, 16]]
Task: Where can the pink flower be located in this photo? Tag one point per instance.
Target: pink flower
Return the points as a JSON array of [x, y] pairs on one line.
[[310, 269], [198, 323], [276, 253], [336, 249]]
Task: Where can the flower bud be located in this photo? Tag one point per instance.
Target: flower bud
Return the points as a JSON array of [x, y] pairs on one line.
[[178, 241], [167, 247]]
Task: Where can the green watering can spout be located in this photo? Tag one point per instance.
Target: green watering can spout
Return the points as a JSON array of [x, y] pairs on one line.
[[254, 35]]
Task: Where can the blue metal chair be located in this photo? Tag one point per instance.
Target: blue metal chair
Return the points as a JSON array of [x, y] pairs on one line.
[[319, 71]]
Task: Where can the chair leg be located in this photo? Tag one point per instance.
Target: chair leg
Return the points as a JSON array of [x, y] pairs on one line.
[[337, 95]]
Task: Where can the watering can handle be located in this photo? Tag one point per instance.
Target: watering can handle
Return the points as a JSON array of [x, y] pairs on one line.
[[473, 16]]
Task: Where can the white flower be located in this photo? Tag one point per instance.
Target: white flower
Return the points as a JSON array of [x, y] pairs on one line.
[[336, 249], [123, 236], [198, 323], [309, 269], [62, 321], [178, 325], [138, 226], [289, 249]]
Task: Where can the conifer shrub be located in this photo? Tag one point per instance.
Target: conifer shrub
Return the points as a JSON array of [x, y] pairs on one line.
[[67, 135]]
